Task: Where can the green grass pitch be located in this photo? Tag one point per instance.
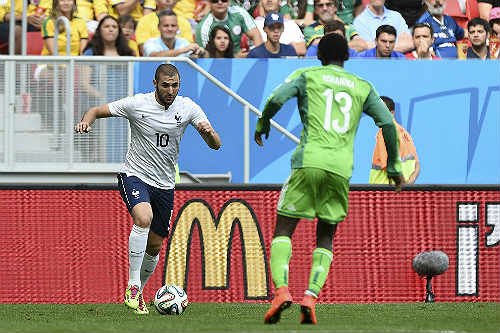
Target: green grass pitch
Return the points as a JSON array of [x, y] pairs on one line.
[[248, 317]]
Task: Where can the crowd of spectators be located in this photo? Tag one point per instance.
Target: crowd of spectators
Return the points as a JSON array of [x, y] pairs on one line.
[[407, 29]]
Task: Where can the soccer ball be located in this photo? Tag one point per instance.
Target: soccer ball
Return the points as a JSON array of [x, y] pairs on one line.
[[171, 300]]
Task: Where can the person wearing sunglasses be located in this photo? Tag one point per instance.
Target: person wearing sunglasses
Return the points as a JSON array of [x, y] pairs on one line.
[[235, 18]]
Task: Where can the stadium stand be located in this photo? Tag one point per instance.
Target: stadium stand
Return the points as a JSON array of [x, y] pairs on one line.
[[454, 10]]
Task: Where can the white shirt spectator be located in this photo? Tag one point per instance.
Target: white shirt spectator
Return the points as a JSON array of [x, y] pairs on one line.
[[291, 34], [367, 22]]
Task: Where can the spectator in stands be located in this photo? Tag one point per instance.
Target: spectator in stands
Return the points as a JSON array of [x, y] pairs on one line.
[[127, 25], [349, 9], [478, 34], [272, 48], [136, 8], [35, 15], [375, 15], [302, 11], [85, 10], [495, 32], [249, 5], [494, 20], [335, 27], [202, 9], [423, 38], [446, 30], [410, 164], [102, 8], [485, 7], [108, 40], [220, 44], [185, 9], [385, 42], [147, 27], [235, 18], [411, 10], [168, 44], [79, 33], [326, 11], [292, 35]]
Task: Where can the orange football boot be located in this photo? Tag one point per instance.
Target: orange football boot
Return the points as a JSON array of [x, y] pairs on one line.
[[307, 307], [281, 301]]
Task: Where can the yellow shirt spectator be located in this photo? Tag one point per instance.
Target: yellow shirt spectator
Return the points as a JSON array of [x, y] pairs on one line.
[[42, 8], [85, 9], [101, 8], [147, 28], [133, 45], [136, 13], [185, 8], [78, 32]]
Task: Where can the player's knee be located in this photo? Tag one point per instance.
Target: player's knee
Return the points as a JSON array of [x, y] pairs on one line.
[[143, 220]]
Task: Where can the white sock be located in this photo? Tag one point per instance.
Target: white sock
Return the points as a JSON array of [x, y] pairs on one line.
[[136, 249], [148, 267]]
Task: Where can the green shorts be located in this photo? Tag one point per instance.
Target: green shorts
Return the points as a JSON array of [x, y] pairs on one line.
[[312, 192]]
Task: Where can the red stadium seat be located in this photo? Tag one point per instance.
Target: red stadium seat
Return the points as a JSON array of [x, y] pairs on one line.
[[244, 42], [4, 48], [34, 42], [453, 9]]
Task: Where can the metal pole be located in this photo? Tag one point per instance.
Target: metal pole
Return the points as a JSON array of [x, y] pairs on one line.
[[246, 144], [24, 28], [11, 109], [68, 35], [70, 79], [241, 100], [12, 28], [6, 114], [65, 20], [130, 83]]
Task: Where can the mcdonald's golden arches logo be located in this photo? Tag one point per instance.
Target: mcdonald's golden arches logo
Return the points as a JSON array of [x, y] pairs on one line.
[[215, 238]]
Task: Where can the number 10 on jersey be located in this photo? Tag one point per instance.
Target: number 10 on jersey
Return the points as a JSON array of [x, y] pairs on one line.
[[161, 139]]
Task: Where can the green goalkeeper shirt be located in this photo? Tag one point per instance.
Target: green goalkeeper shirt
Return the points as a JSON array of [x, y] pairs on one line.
[[331, 101]]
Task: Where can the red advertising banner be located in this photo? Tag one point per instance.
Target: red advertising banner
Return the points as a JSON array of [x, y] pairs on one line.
[[69, 245]]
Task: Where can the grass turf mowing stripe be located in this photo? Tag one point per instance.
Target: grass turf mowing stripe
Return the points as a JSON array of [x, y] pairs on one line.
[[248, 317]]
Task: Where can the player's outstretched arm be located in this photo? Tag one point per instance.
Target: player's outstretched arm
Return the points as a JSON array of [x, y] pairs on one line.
[[101, 111], [209, 135]]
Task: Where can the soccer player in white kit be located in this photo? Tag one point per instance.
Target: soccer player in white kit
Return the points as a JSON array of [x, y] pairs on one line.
[[146, 181]]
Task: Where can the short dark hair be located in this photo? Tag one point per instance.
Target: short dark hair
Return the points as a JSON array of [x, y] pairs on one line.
[[478, 21], [334, 25], [124, 19], [388, 102], [165, 12], [388, 29], [423, 25], [166, 69], [332, 48]]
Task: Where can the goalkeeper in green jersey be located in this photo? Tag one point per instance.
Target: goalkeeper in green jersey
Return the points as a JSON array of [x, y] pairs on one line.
[[330, 101]]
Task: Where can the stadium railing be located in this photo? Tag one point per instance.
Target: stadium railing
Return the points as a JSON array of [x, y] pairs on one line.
[[43, 97]]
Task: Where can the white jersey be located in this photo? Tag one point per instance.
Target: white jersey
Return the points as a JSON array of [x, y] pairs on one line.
[[155, 135]]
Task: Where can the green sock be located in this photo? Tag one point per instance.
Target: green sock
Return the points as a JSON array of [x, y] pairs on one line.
[[321, 260], [281, 251]]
